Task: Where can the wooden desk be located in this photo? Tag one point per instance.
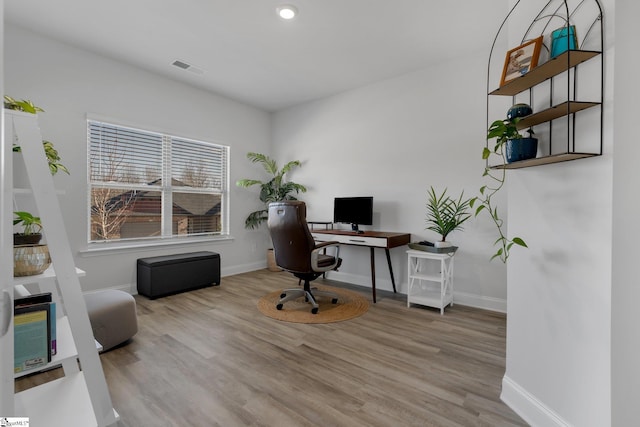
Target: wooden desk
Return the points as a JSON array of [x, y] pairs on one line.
[[370, 239]]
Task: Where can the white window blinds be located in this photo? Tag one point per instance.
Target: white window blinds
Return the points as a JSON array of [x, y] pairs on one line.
[[149, 185]]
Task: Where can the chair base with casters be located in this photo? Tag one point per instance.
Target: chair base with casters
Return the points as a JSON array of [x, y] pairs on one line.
[[307, 292]]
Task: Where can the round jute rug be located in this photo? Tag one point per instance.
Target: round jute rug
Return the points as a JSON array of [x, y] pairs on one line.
[[350, 305]]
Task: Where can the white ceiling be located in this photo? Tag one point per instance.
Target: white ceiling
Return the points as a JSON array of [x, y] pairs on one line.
[[249, 54]]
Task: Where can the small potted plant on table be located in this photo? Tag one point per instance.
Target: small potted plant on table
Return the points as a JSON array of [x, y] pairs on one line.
[[445, 215]]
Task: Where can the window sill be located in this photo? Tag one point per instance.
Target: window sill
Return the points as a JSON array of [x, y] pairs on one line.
[[97, 249]]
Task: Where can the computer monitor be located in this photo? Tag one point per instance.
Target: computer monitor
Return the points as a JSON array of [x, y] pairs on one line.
[[353, 210]]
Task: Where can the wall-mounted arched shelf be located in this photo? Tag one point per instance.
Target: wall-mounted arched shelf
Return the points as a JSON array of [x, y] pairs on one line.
[[552, 87]]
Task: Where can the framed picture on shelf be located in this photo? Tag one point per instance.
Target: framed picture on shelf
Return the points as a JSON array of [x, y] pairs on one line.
[[562, 40], [520, 60]]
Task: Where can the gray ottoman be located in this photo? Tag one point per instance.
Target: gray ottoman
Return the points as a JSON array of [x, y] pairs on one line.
[[112, 314]]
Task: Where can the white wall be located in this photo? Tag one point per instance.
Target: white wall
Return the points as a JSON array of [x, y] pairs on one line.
[[559, 291], [392, 140], [625, 339], [69, 83]]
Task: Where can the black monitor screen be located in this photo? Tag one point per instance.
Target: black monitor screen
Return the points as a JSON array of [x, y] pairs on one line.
[[353, 210]]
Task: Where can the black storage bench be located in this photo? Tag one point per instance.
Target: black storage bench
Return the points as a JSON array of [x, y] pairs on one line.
[[170, 274]]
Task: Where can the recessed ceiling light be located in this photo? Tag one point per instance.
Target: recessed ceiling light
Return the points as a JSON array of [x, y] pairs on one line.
[[287, 11]]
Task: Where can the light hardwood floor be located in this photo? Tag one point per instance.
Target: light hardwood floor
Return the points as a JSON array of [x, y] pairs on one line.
[[210, 358]]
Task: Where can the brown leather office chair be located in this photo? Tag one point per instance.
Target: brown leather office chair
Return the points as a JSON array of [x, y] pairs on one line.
[[297, 252]]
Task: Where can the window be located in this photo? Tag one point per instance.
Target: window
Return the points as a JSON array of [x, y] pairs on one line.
[[146, 185]]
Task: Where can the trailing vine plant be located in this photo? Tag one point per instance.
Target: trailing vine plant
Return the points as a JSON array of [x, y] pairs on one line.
[[502, 131]]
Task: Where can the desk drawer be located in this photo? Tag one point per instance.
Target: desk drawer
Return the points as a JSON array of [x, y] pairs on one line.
[[380, 242]]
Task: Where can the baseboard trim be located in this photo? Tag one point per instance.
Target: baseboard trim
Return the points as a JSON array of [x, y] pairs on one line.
[[462, 298], [528, 407], [480, 301], [132, 288], [128, 288], [243, 268]]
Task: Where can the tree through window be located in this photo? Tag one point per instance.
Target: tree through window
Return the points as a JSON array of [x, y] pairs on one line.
[[150, 185]]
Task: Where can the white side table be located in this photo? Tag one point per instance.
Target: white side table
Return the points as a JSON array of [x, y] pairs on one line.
[[427, 286]]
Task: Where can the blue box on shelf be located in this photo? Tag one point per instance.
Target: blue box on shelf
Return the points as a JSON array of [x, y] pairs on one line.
[[563, 39]]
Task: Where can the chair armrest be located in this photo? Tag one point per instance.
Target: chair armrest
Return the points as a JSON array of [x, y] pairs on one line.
[[321, 247]]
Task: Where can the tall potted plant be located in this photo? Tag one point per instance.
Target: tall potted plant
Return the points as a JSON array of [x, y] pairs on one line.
[[445, 215], [275, 189]]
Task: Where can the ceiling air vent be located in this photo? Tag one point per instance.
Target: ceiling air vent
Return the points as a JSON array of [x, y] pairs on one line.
[[188, 67]]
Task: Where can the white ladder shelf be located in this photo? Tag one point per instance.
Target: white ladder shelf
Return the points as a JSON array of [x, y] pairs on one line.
[[81, 397]]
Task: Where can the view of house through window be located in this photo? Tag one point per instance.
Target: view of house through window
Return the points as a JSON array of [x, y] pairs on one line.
[[149, 185]]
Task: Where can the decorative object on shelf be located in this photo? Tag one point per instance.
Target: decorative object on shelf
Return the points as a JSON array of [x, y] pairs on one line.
[[53, 158], [445, 215], [510, 142], [563, 39], [29, 257], [29, 260], [521, 149], [31, 228], [520, 60], [519, 110]]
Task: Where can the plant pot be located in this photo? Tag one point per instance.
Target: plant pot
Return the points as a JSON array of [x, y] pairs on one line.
[[442, 244], [521, 149], [271, 261], [26, 239], [29, 260]]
